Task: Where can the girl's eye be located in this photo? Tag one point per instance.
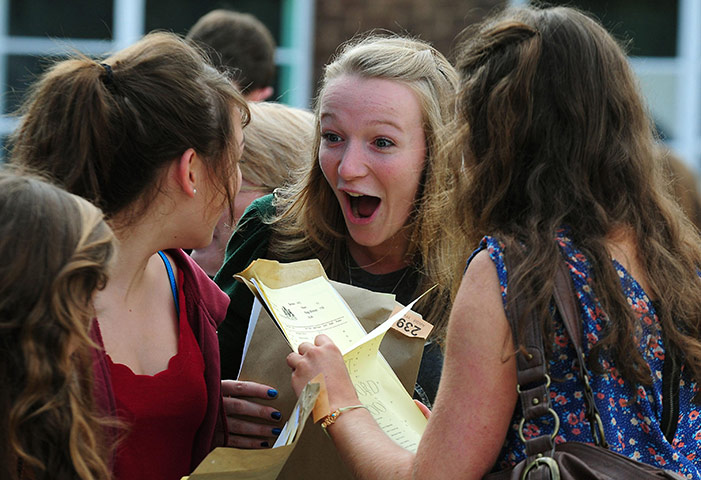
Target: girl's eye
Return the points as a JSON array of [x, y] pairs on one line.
[[331, 137], [383, 143]]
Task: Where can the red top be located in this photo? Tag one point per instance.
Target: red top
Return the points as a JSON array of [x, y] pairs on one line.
[[162, 412]]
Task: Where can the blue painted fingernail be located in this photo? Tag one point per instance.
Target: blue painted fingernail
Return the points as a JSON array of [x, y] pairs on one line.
[[276, 415], [276, 431], [264, 444], [272, 393]]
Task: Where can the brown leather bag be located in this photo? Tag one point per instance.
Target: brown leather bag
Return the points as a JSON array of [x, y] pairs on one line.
[[570, 460]]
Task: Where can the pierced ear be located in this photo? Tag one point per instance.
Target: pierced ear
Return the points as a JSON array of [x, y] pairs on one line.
[[186, 174]]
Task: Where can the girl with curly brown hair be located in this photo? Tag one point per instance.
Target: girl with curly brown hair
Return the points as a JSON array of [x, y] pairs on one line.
[[559, 161], [55, 250]]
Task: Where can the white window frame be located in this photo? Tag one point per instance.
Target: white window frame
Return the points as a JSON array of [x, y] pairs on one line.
[[129, 20], [686, 67]]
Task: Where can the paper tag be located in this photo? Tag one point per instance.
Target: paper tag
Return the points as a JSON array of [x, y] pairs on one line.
[[321, 407], [411, 324]]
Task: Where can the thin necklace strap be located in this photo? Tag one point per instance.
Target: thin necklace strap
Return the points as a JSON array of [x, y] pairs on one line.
[[401, 279], [359, 268]]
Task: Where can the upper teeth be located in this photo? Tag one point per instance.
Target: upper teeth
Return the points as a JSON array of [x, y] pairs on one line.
[[355, 194]]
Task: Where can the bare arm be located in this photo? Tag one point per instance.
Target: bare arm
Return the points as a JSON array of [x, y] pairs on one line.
[[475, 401], [477, 393]]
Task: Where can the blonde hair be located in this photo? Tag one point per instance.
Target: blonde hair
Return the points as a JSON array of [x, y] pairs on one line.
[[278, 140], [311, 222], [49, 426]]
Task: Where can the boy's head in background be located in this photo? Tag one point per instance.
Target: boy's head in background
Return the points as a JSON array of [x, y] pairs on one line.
[[239, 43]]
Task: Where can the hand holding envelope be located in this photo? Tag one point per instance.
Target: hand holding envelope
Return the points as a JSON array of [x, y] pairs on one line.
[[311, 455], [228, 463], [312, 307]]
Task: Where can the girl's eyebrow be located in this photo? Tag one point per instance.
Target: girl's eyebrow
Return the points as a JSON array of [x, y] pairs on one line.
[[389, 122]]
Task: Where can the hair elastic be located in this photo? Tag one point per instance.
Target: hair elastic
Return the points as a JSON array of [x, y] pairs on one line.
[[109, 78]]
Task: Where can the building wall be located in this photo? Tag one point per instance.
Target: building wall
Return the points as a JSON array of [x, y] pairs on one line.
[[436, 21]]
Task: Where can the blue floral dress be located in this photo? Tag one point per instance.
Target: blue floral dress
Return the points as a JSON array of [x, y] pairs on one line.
[[632, 430]]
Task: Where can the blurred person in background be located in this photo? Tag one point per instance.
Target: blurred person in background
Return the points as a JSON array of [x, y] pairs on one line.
[[278, 141], [240, 44]]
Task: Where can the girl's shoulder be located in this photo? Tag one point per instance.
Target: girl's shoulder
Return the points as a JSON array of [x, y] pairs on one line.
[[495, 248]]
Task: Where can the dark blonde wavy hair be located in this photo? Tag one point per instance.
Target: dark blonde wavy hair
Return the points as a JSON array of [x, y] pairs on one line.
[[554, 133], [278, 141], [311, 221], [106, 129], [54, 252]]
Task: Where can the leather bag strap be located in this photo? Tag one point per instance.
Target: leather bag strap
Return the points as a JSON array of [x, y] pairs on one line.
[[533, 381], [532, 367], [565, 300]]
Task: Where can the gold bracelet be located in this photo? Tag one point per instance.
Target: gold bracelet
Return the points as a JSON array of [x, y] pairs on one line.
[[331, 418]]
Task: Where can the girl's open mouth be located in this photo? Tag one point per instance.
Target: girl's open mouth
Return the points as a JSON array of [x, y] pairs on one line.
[[363, 206]]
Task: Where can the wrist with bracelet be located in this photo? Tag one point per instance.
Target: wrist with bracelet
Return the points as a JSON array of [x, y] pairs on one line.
[[331, 418]]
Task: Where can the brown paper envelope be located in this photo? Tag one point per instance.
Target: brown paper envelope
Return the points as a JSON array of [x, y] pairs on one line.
[[279, 275], [243, 464], [315, 456], [228, 463]]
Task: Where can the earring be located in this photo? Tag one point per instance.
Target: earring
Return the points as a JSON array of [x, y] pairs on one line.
[[194, 191]]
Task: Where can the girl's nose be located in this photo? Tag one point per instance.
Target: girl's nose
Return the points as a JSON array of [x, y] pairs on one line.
[[352, 163]]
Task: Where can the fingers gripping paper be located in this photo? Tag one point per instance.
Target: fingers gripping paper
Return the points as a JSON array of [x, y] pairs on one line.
[[264, 361], [228, 463], [311, 307]]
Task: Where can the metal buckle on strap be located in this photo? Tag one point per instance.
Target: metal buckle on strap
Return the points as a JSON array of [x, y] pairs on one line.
[[599, 431], [548, 462], [552, 435], [597, 426]]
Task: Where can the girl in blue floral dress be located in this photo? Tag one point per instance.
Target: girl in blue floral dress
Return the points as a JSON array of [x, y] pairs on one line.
[[551, 131], [631, 428]]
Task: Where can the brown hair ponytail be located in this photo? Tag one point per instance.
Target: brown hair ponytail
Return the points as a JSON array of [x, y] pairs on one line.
[[105, 129], [68, 117]]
